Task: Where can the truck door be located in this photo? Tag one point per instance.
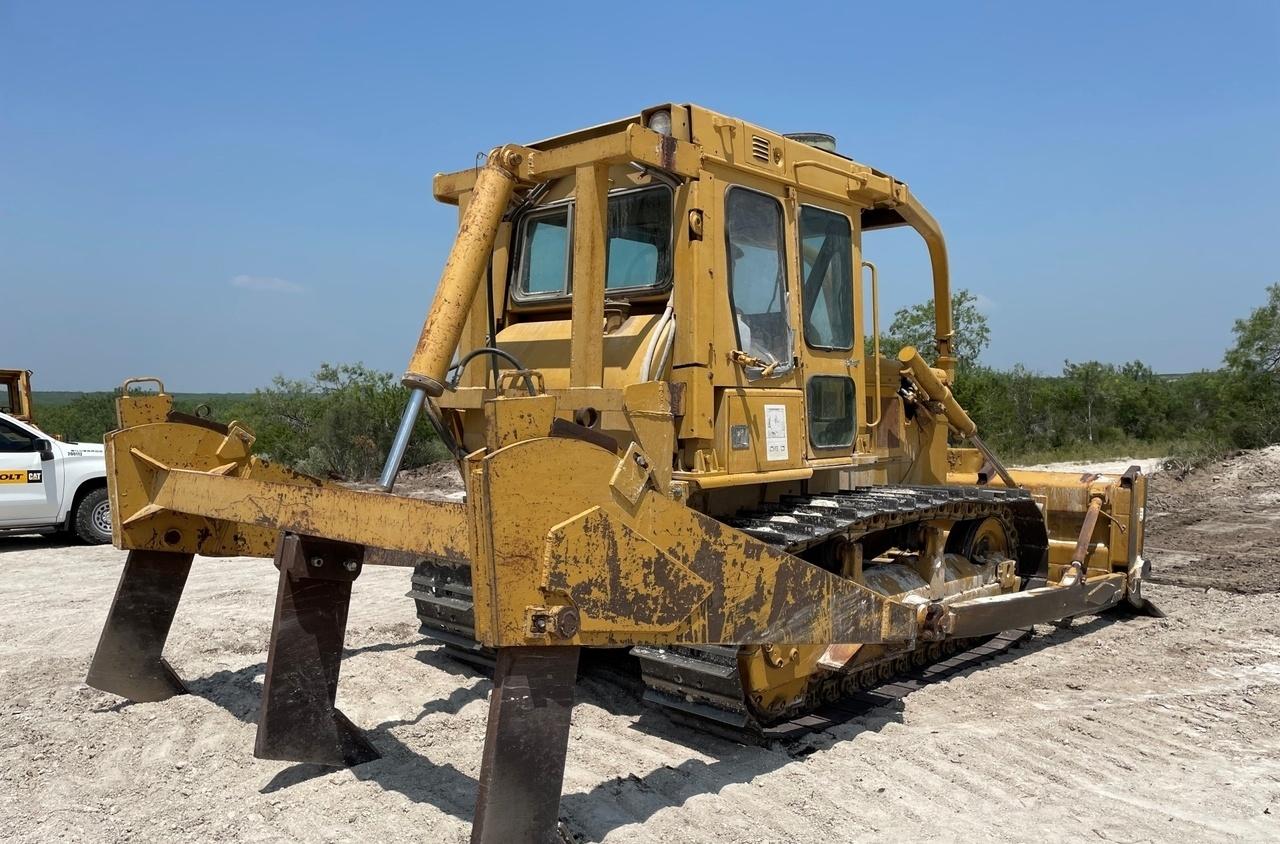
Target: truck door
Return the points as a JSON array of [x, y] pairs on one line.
[[28, 485]]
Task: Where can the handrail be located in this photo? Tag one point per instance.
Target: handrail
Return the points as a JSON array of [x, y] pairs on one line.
[[875, 339]]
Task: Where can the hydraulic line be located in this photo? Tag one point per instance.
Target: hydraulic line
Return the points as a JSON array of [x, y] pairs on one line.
[[956, 417], [497, 353]]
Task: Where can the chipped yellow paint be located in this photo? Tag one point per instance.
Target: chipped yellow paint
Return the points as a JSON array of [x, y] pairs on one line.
[[762, 595], [171, 491]]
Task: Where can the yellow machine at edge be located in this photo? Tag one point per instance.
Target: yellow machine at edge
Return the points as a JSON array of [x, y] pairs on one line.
[[654, 350], [15, 392]]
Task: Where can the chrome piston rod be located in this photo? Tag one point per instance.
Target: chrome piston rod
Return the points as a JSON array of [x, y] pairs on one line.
[[408, 420]]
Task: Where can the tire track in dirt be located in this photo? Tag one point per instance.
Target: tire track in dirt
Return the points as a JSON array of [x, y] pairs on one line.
[[1136, 729]]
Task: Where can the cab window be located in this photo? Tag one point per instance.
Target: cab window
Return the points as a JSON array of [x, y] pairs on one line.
[[639, 247], [14, 439], [831, 411], [637, 251], [544, 264], [826, 272], [757, 274]]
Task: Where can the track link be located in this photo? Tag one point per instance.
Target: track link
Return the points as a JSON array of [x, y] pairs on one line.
[[442, 593], [861, 692]]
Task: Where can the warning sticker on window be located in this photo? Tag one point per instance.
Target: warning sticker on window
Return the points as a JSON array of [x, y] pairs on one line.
[[775, 432]]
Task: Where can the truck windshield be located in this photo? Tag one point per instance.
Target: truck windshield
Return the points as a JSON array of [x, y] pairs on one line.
[[638, 252]]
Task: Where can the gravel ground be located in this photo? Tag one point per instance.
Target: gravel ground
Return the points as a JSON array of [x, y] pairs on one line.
[[1112, 728]]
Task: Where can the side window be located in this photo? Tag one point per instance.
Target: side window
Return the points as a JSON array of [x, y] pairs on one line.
[[826, 272], [544, 265], [831, 411], [757, 274], [639, 248], [13, 439], [637, 253]]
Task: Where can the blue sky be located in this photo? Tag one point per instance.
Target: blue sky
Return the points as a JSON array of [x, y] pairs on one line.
[[217, 193]]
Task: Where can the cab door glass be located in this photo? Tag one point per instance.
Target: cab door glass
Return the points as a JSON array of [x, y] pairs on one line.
[[757, 274], [832, 411], [826, 278]]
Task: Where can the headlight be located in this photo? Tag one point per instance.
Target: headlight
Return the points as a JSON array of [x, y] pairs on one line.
[[660, 122]]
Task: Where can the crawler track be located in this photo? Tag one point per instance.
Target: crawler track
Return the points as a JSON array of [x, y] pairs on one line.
[[701, 685], [857, 699]]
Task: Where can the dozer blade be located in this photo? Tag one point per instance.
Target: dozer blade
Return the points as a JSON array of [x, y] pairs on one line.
[[299, 722], [524, 746], [128, 659]]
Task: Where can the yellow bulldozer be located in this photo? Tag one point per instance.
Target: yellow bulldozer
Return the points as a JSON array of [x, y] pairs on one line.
[[651, 351], [15, 393]]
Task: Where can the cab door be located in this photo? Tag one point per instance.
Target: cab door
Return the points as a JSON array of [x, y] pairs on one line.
[[831, 349], [28, 484], [760, 420]]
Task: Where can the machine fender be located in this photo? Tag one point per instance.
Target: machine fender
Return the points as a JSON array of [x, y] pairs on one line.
[[629, 583], [738, 589]]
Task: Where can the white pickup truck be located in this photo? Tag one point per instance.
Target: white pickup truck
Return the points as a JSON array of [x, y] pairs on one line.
[[47, 486]]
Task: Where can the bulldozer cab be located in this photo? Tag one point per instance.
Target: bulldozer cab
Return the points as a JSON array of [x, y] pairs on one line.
[[731, 268], [15, 394]]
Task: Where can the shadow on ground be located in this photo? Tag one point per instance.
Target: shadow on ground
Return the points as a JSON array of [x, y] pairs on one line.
[[610, 804], [37, 541]]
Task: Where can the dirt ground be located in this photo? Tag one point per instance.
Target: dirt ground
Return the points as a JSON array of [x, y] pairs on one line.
[[1112, 729], [1228, 534]]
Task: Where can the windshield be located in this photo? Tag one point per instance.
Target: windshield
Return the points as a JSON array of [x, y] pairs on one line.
[[638, 252]]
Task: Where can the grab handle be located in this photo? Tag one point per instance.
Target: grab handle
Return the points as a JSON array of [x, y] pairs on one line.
[[875, 337]]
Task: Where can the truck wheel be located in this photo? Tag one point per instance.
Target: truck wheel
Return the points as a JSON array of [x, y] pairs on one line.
[[93, 518]]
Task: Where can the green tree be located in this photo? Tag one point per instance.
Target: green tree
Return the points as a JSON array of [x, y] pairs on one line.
[[1257, 346], [1089, 386], [1250, 396], [915, 326], [338, 423], [1141, 402], [83, 419]]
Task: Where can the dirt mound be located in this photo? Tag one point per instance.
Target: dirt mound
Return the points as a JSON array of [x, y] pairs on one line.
[[1218, 526], [435, 481]]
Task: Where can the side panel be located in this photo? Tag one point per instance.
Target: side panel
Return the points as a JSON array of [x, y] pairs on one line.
[[760, 430]]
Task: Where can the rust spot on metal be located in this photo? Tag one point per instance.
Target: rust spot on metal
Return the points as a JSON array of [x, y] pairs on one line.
[[667, 152]]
